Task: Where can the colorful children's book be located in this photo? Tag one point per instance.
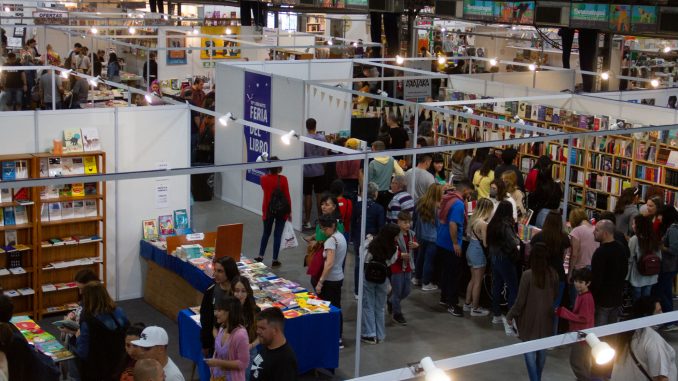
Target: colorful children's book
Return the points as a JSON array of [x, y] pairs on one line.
[[181, 221], [55, 211], [21, 195], [9, 216], [21, 169], [54, 164], [150, 228], [20, 215], [90, 165], [67, 166], [73, 140], [90, 189], [166, 225], [8, 170], [78, 190], [65, 190], [44, 165], [90, 139]]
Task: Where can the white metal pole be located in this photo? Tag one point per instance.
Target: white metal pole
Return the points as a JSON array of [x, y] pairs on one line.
[[361, 268]]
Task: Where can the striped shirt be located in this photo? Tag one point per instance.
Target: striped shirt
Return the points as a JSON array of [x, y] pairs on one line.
[[402, 201]]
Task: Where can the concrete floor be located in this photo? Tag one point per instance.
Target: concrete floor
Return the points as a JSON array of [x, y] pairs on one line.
[[430, 331]]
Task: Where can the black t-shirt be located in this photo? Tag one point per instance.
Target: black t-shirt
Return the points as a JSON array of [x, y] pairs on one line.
[[278, 364], [398, 137], [13, 78]]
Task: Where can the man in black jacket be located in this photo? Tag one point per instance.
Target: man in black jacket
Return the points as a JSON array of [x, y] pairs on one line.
[[608, 267], [225, 269]]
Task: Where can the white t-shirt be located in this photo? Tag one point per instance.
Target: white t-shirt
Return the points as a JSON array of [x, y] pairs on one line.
[[510, 199], [172, 372], [655, 355]]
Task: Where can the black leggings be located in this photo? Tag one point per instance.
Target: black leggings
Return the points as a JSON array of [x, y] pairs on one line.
[[331, 292]]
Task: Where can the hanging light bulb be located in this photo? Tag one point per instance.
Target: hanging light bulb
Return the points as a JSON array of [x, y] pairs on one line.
[[654, 82], [532, 67], [94, 30], [287, 138], [399, 60], [224, 119], [442, 60], [493, 62], [601, 351], [228, 31], [432, 372], [605, 76], [132, 30]]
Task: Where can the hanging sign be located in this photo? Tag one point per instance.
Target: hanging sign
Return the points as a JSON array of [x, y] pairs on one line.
[[415, 89], [257, 110]]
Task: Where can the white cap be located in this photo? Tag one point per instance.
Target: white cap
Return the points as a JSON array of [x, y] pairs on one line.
[[152, 336]]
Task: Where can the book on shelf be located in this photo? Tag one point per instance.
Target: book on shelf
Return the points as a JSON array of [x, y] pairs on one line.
[[48, 287], [54, 165], [67, 211], [67, 166], [4, 271], [10, 237], [78, 190], [8, 170], [11, 293], [90, 139], [181, 221], [44, 212], [6, 195], [90, 163], [78, 166], [73, 140], [79, 209], [21, 169], [65, 190], [9, 216], [54, 211], [22, 195], [90, 189], [91, 209], [44, 167], [26, 291], [17, 270], [20, 215]]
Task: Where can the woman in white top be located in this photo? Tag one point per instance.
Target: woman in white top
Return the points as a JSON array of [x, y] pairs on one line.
[[497, 189], [510, 179], [644, 241], [475, 255]]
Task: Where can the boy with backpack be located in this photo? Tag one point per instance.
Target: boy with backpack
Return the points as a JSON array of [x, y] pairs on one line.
[[401, 269]]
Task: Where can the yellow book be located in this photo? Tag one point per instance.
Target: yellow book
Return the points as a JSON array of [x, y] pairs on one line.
[[90, 165], [78, 190]]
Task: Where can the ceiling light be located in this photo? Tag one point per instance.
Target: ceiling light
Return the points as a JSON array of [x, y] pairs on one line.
[[263, 157], [468, 110], [667, 49], [228, 31], [224, 119], [132, 30], [7, 9], [442, 60], [94, 30], [493, 62], [601, 351], [532, 67], [330, 43], [605, 75], [149, 98], [433, 373], [196, 31], [66, 73], [654, 83], [399, 60], [286, 139]]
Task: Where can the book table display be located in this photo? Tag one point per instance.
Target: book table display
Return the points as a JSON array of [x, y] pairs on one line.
[[40, 339], [312, 326]]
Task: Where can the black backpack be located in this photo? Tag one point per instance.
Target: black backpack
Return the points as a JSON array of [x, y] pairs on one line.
[[376, 272], [278, 206]]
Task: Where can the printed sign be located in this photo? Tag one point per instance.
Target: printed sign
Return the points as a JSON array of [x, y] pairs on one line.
[[519, 12], [417, 88], [257, 110], [644, 18], [51, 17], [221, 39], [620, 18], [592, 16], [479, 10], [176, 40]]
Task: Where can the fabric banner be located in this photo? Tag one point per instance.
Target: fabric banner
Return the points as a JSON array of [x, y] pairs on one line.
[[257, 110]]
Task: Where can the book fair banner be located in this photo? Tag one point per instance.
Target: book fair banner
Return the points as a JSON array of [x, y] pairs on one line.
[[593, 16], [257, 110], [479, 10], [620, 18], [520, 12], [644, 18]]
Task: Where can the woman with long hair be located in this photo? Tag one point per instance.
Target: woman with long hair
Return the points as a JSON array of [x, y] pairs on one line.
[[375, 218], [271, 184], [242, 290], [231, 345], [484, 176], [224, 270], [547, 193], [502, 242], [426, 230], [477, 161], [475, 255], [533, 310], [437, 168], [100, 343], [499, 193], [329, 206], [644, 241], [457, 166], [382, 249], [626, 209], [510, 179], [113, 68]]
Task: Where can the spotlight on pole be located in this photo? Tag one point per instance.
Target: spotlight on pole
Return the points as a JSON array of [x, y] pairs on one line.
[[432, 372], [94, 30], [654, 83], [605, 76], [468, 110], [287, 138], [225, 118], [493, 62], [399, 60], [532, 67], [601, 351]]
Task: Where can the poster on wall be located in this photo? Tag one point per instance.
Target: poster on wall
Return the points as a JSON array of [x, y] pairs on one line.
[[620, 18], [333, 4], [479, 10], [416, 89], [257, 110], [176, 40], [644, 18], [356, 4], [220, 34], [592, 16], [518, 12]]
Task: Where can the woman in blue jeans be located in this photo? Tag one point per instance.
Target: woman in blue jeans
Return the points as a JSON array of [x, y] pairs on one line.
[[270, 183], [375, 218], [381, 248], [643, 241], [426, 229], [503, 242]]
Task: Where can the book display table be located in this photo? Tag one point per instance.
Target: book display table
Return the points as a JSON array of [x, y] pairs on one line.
[[40, 339]]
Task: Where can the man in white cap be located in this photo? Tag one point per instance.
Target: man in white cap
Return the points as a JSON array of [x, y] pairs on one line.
[[153, 341]]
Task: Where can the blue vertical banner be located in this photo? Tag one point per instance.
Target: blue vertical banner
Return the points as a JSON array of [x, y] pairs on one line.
[[257, 110]]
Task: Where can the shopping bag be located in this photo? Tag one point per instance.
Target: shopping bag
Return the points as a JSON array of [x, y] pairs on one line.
[[289, 239]]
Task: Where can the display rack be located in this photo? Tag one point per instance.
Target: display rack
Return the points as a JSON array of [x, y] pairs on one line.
[[70, 240], [18, 263]]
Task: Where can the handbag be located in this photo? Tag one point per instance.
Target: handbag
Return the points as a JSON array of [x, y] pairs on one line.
[[376, 272], [315, 268], [638, 364], [289, 239]]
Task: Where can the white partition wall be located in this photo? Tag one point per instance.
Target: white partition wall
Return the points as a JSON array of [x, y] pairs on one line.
[[332, 109], [18, 131]]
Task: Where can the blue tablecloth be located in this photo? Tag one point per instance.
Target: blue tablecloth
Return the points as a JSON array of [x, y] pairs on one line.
[[314, 337]]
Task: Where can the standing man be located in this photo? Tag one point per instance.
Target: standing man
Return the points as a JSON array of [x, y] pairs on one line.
[[45, 90], [152, 74], [72, 59], [98, 62], [380, 171], [154, 341], [608, 267], [452, 219], [420, 175], [14, 84], [401, 201], [276, 361], [314, 174]]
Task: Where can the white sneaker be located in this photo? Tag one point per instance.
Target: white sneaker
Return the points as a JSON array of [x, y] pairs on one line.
[[416, 282], [308, 225], [429, 287], [479, 312], [467, 307], [498, 319], [508, 328]]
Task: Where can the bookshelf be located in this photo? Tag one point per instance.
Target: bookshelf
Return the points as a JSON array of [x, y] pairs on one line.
[[18, 235], [71, 227], [600, 167]]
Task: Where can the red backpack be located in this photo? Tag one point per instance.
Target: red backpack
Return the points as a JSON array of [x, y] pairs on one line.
[[649, 264]]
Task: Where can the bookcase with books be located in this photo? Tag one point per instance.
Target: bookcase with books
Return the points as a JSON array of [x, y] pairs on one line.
[[18, 270], [71, 226], [600, 167]]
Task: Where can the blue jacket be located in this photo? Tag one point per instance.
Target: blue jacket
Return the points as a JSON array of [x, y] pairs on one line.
[[375, 219], [85, 341]]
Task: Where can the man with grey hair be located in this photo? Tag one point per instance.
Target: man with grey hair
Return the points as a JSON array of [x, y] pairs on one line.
[[608, 268], [401, 201], [375, 219]]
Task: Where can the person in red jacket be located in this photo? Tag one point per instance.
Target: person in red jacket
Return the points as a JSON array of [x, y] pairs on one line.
[[269, 183], [582, 317]]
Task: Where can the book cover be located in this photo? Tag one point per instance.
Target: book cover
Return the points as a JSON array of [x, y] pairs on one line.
[[21, 169], [67, 210], [90, 189], [523, 110], [73, 140], [44, 212], [90, 139], [78, 209], [78, 167], [541, 113], [8, 171], [150, 229], [55, 211], [181, 221], [9, 216], [549, 114], [166, 225], [78, 190], [90, 165], [2, 217], [20, 215], [54, 164], [10, 237], [22, 195], [91, 209], [6, 195], [44, 167], [67, 166]]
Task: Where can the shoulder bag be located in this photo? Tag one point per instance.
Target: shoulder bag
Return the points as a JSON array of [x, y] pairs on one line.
[[376, 272], [638, 364], [317, 263]]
